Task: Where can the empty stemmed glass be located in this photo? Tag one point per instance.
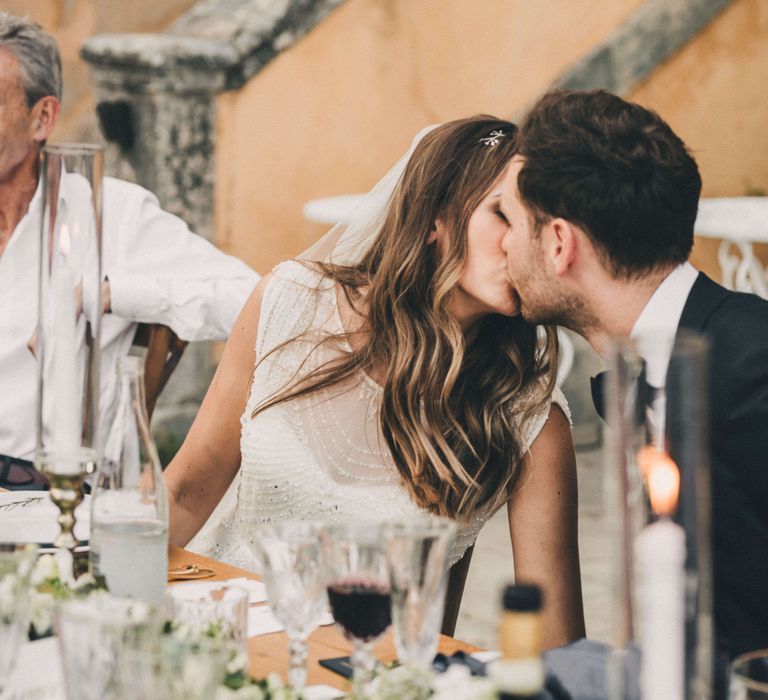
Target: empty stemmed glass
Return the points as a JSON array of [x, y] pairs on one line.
[[92, 635], [418, 563], [16, 564], [359, 589], [290, 557]]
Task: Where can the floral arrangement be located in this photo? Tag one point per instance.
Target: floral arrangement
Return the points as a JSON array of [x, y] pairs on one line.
[[389, 683], [49, 589]]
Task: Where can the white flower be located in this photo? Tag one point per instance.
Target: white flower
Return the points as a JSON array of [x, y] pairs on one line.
[[411, 682], [45, 569], [249, 692], [83, 581], [8, 585], [457, 683], [41, 611], [238, 662]]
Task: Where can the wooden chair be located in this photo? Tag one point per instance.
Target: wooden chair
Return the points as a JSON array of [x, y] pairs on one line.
[[164, 350], [457, 577]]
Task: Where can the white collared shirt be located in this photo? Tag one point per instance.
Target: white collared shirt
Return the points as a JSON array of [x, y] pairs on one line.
[[654, 336], [159, 272], [656, 326]]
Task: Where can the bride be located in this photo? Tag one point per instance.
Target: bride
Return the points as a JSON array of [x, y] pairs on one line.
[[388, 372]]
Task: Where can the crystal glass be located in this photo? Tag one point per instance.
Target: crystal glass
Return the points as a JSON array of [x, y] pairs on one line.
[[16, 564], [749, 676], [359, 589], [66, 343], [418, 564], [290, 556], [198, 611], [129, 507], [154, 667], [92, 634]]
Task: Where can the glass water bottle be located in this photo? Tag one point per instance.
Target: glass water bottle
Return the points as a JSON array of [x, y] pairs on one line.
[[129, 510]]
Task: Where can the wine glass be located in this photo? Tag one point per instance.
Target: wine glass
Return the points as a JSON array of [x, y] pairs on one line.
[[359, 590], [16, 564], [290, 557], [418, 563], [92, 634], [198, 611], [167, 667], [749, 676]]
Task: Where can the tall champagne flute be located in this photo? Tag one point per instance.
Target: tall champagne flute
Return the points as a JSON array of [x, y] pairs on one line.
[[290, 557], [359, 589]]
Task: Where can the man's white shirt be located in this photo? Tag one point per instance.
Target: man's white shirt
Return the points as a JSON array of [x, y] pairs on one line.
[[158, 271], [655, 330]]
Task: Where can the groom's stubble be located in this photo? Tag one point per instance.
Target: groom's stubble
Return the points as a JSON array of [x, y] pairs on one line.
[[542, 299]]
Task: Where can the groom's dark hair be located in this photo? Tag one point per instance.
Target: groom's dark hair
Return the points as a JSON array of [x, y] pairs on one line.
[[615, 169]]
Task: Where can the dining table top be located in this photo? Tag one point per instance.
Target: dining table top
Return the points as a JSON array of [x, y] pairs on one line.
[[269, 652]]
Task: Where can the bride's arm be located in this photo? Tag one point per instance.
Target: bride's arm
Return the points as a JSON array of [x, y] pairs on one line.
[[203, 468], [543, 524]]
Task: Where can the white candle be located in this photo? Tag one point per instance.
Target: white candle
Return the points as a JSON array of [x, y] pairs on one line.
[[67, 426], [660, 552]]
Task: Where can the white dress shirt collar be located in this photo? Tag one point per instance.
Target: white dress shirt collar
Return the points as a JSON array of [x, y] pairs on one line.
[[655, 329]]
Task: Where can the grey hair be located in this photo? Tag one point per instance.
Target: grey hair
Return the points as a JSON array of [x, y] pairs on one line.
[[37, 53]]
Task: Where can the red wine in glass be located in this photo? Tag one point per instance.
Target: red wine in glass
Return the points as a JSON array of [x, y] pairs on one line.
[[362, 609]]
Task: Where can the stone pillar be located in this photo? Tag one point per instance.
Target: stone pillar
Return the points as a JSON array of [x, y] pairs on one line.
[[156, 97], [156, 107]]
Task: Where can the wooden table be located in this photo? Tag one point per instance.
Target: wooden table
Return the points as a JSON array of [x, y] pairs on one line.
[[269, 652]]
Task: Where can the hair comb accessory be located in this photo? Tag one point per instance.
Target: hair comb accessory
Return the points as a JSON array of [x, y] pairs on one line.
[[493, 138]]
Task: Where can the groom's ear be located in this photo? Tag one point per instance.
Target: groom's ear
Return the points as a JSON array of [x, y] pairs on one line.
[[562, 244]]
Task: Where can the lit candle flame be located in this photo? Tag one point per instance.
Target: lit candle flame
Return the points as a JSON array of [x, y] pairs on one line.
[[663, 479]]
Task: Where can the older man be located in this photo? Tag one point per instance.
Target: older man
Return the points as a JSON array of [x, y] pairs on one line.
[[156, 270]]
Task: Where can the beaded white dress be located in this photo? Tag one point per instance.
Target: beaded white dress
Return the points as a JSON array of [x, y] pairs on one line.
[[320, 457]]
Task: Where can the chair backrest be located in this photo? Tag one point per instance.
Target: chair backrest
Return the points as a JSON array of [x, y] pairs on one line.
[[457, 577], [164, 350]]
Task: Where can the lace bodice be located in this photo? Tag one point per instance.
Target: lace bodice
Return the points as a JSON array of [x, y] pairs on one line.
[[320, 457]]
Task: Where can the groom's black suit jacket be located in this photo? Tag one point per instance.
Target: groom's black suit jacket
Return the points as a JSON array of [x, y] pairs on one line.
[[737, 328]]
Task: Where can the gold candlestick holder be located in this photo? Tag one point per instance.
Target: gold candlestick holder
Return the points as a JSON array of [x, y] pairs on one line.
[[66, 474]]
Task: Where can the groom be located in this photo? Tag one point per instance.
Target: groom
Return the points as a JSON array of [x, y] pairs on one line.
[[601, 203]]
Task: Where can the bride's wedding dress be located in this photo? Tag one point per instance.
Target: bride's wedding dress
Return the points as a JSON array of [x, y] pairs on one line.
[[320, 457]]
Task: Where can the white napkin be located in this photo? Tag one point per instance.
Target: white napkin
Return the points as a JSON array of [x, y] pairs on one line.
[[30, 516], [486, 656], [38, 674], [257, 591], [262, 621]]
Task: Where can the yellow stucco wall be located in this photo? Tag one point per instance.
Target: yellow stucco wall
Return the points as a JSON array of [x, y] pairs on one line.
[[713, 93], [71, 22], [329, 115]]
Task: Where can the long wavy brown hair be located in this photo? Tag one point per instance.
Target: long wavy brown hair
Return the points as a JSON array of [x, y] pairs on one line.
[[452, 407]]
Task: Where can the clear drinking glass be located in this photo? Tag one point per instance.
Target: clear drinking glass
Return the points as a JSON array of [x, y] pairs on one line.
[[359, 589], [657, 492], [151, 668], [749, 676], [129, 508], [290, 557], [16, 564], [66, 342], [418, 564], [198, 611], [92, 634]]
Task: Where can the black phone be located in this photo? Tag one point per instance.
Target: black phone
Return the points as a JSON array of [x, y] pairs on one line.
[[340, 664]]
